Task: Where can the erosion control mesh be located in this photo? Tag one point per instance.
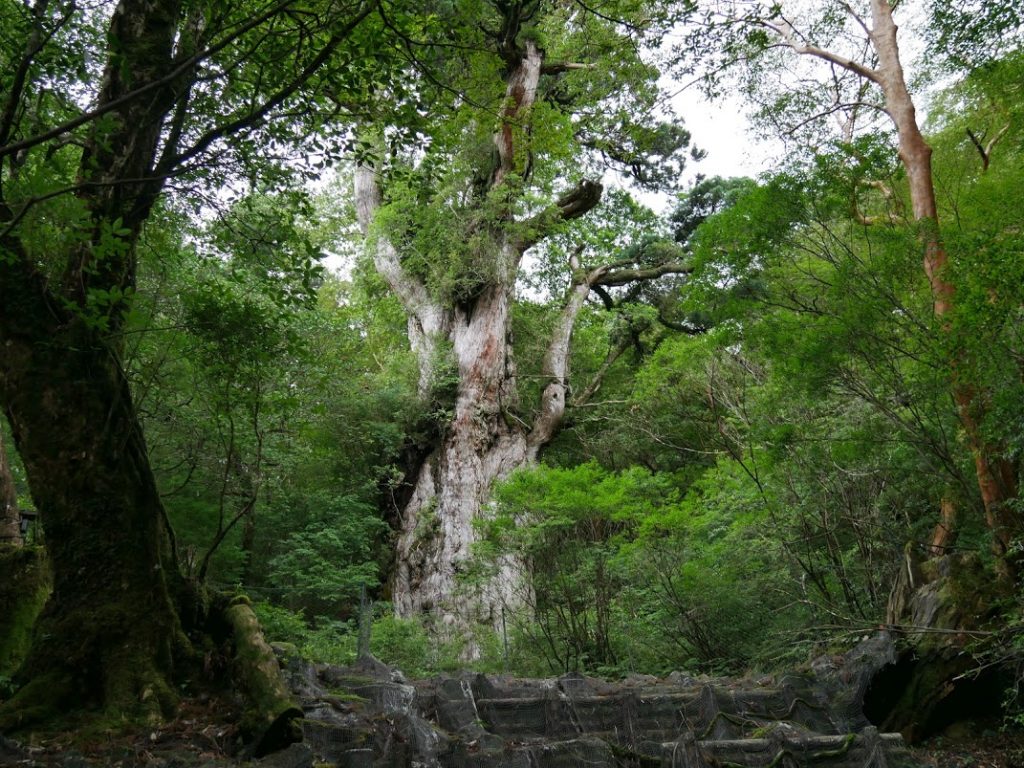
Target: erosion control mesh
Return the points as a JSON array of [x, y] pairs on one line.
[[356, 717]]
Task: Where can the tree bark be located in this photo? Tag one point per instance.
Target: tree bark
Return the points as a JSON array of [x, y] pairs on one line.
[[466, 345], [10, 519], [110, 632], [481, 444], [113, 631], [482, 440], [997, 477]]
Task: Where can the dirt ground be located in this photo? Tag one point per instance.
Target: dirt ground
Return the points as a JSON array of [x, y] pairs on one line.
[[968, 745]]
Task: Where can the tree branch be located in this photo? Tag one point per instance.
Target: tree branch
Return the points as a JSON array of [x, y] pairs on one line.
[[985, 150], [891, 216], [36, 42], [690, 330], [618, 277], [573, 204], [556, 364], [614, 353], [427, 320], [784, 29], [556, 360], [173, 74], [410, 290], [286, 91], [557, 68], [520, 95]]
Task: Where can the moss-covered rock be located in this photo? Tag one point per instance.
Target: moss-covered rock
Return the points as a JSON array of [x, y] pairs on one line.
[[271, 715], [938, 608]]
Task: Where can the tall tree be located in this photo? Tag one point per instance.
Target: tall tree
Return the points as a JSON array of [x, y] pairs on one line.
[[864, 57], [515, 156], [81, 174]]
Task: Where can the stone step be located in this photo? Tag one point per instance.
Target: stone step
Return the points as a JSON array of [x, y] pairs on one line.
[[358, 721], [708, 713], [867, 750]]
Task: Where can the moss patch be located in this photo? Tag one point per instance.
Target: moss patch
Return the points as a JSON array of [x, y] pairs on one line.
[[24, 587]]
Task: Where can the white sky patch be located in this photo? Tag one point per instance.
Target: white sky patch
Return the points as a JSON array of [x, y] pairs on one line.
[[722, 130]]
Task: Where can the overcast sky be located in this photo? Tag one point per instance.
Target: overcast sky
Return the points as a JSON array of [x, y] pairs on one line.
[[720, 128]]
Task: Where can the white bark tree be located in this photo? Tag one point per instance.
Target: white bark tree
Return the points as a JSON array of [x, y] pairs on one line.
[[463, 338]]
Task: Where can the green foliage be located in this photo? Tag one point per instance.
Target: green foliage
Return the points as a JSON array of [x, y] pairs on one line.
[[270, 413], [329, 556], [966, 34], [810, 433], [281, 625], [767, 472], [633, 571], [454, 229], [400, 643]]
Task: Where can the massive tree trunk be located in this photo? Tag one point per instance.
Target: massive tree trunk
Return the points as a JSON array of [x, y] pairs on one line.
[[481, 444], [466, 341], [110, 632], [114, 628], [10, 520], [483, 439]]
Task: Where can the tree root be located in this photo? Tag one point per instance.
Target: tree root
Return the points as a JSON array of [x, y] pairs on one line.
[[271, 718], [42, 700]]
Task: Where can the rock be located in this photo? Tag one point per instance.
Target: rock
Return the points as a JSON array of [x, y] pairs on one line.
[[294, 756], [634, 678], [575, 684], [72, 759], [372, 667], [931, 682], [11, 751], [842, 682], [684, 679]]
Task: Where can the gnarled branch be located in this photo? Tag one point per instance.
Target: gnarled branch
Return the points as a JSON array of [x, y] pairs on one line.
[[556, 360], [427, 320], [624, 276], [573, 204]]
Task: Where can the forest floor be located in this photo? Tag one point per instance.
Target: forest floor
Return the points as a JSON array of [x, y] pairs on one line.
[[969, 745], [205, 735]]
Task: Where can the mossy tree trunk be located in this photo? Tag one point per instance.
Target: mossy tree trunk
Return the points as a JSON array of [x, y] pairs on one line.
[[112, 632], [110, 629], [24, 589], [10, 519], [270, 720], [464, 344]]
